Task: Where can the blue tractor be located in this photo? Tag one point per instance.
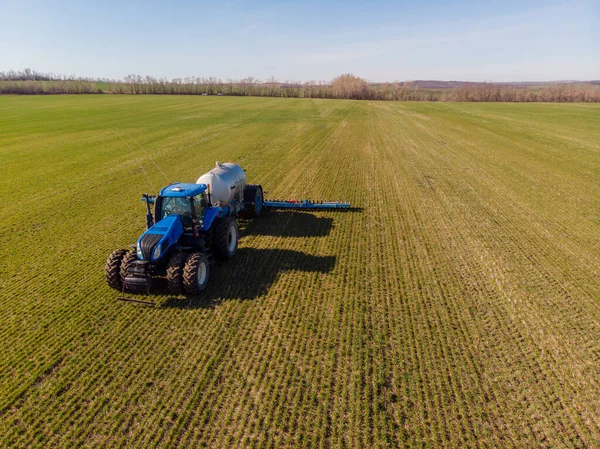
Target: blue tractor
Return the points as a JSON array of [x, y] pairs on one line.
[[191, 226]]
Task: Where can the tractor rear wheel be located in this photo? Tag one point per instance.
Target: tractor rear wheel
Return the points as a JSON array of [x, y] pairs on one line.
[[175, 273], [226, 238], [253, 198], [129, 257], [196, 273], [112, 269]]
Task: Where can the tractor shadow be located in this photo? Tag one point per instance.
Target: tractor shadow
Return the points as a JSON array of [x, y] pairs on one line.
[[250, 274], [252, 271]]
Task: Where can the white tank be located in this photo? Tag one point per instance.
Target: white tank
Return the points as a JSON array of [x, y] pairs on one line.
[[226, 182]]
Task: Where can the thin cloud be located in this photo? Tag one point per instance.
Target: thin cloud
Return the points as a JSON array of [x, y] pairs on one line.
[[496, 31]]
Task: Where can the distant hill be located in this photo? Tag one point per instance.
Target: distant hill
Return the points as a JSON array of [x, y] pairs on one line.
[[439, 84]]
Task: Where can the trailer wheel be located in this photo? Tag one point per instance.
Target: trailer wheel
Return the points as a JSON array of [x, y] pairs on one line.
[[254, 200], [175, 273], [127, 259], [112, 269], [226, 238], [196, 273]]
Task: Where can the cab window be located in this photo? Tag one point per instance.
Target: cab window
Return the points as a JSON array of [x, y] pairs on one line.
[[200, 206]]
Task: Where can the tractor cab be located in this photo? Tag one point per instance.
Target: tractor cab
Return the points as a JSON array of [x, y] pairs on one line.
[[179, 209], [189, 201]]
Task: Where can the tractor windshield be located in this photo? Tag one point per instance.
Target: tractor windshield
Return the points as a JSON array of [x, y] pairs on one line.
[[177, 205]]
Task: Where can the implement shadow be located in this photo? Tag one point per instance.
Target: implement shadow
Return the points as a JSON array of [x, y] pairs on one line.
[[288, 224]]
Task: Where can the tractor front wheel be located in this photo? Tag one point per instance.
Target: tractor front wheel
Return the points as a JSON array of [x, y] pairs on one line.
[[129, 257], [226, 238], [175, 273], [112, 269], [196, 273]]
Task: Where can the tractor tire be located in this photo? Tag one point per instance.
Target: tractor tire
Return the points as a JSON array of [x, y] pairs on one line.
[[253, 197], [175, 273], [226, 238], [196, 273], [112, 269], [127, 259]]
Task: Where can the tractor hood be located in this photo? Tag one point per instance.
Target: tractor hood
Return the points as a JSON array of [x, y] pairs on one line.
[[155, 242]]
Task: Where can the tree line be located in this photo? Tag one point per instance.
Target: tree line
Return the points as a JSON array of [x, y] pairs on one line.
[[346, 86]]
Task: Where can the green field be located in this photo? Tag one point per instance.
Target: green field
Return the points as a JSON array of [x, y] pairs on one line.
[[459, 307]]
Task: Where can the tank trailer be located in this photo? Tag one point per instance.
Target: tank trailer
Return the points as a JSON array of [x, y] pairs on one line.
[[192, 226]]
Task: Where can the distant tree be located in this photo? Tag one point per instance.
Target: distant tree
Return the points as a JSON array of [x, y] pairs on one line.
[[349, 86]]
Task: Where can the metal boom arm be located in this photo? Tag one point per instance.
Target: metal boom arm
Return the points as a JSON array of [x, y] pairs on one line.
[[305, 204]]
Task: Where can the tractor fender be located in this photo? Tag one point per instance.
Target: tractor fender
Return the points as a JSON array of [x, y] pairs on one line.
[[209, 217]]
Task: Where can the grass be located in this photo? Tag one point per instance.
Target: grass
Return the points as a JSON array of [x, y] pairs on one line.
[[459, 308]]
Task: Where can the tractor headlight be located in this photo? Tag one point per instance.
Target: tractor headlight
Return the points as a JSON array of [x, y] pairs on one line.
[[139, 252], [157, 252]]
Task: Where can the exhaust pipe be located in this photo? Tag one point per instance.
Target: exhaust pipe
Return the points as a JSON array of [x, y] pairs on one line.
[[149, 217]]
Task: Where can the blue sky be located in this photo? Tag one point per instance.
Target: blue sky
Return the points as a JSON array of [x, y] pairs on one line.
[[309, 40]]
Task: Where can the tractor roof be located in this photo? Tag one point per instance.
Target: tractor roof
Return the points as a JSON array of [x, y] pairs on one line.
[[180, 189]]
